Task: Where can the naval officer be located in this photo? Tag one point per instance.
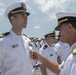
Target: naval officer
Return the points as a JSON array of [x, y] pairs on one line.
[[67, 27], [48, 51], [14, 47]]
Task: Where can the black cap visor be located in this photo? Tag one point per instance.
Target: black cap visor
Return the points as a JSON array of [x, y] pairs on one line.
[[27, 13], [58, 28]]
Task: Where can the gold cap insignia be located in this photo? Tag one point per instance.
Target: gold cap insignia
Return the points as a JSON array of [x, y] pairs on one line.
[[64, 20], [23, 5]]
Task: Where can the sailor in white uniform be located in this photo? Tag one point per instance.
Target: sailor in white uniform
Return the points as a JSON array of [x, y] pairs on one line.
[[42, 41], [14, 46], [69, 67], [48, 51], [67, 27]]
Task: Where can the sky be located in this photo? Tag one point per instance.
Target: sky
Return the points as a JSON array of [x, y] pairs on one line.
[[42, 17]]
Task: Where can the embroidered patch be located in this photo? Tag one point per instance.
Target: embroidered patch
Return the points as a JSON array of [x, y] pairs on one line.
[[74, 50]]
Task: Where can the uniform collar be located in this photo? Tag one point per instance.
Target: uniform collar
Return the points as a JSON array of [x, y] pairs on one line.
[[74, 44], [60, 42], [14, 36]]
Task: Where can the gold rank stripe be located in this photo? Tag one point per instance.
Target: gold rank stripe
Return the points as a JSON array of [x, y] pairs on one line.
[[62, 21], [17, 11], [74, 50]]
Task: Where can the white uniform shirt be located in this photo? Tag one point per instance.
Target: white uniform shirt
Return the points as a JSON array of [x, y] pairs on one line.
[[62, 50], [42, 43], [35, 46], [70, 64], [49, 53], [14, 55], [39, 45]]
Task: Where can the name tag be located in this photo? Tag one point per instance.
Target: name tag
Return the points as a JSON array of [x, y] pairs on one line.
[[14, 46]]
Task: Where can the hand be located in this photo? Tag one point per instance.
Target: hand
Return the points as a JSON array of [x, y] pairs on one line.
[[34, 54]]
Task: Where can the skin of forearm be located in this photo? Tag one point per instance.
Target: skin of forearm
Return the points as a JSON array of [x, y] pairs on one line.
[[49, 64], [58, 60], [43, 69]]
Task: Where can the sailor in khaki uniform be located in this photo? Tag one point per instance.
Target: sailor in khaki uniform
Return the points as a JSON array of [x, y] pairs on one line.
[[48, 51], [14, 47]]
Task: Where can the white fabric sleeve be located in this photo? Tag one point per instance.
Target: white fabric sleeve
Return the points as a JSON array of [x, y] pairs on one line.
[[43, 53], [2, 51], [73, 69]]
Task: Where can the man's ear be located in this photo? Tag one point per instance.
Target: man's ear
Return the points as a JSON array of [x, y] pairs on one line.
[[70, 26], [12, 18]]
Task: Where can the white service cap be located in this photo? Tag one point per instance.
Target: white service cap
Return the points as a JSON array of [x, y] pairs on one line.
[[16, 8], [52, 32], [65, 17]]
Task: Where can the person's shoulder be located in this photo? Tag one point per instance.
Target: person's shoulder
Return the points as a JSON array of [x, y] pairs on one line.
[[28, 40], [43, 50], [26, 37], [3, 41], [59, 46], [4, 34], [2, 38], [45, 47]]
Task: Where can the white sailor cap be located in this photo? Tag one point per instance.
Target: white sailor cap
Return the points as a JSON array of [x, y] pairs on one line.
[[64, 17], [50, 33], [19, 7]]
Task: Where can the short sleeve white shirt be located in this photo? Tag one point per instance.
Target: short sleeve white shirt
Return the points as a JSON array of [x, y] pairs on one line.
[[49, 53], [70, 64], [14, 55], [62, 50]]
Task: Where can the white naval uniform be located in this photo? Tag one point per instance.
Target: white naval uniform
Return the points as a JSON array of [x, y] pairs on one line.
[[49, 53], [70, 64], [35, 46], [42, 43], [62, 50], [14, 55]]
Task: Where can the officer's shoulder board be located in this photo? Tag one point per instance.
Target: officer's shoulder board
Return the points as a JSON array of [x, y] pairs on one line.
[[4, 34], [45, 46], [74, 50]]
